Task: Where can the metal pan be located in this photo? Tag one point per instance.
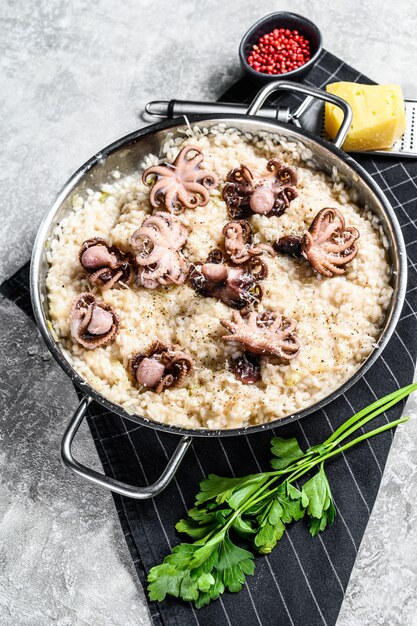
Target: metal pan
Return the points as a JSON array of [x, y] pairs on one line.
[[124, 155]]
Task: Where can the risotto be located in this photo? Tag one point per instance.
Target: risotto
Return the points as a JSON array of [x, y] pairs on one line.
[[338, 318]]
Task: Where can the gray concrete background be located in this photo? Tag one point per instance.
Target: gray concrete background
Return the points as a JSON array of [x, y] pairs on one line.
[[75, 76]]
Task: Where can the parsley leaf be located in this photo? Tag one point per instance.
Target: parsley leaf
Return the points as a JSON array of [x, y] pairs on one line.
[[318, 525], [230, 490], [320, 507], [199, 573], [286, 451], [243, 527], [285, 507], [234, 563], [164, 580]]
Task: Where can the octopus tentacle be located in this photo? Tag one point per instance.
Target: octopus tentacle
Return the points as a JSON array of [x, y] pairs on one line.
[[199, 196]]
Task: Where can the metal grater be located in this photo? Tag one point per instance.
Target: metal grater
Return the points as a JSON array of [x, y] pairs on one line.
[[407, 145], [310, 115]]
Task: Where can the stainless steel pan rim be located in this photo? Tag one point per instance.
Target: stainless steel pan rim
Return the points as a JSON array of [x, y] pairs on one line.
[[36, 296]]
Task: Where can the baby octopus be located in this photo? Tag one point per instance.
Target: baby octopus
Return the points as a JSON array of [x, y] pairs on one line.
[[105, 265], [237, 287], [270, 195], [158, 244], [265, 334], [328, 244], [92, 323], [182, 184], [238, 243], [161, 367]]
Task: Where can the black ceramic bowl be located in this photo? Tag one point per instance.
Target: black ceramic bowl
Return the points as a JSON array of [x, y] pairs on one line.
[[282, 19]]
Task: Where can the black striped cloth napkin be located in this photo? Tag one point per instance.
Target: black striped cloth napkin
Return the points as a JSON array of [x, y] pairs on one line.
[[303, 580]]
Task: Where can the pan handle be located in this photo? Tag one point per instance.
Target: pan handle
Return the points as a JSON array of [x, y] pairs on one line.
[[130, 491], [311, 93]]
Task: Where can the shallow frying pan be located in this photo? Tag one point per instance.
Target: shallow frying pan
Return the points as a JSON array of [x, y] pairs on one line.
[[124, 155]]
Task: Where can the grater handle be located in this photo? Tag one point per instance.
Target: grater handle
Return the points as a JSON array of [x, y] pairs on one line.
[[311, 93]]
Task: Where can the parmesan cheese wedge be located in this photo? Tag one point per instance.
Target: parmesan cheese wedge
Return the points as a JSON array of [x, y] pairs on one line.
[[378, 115]]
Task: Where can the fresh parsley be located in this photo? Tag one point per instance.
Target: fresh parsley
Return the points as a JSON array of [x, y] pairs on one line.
[[257, 508]]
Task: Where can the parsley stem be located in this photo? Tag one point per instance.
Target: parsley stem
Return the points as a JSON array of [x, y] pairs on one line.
[[365, 436], [350, 444], [370, 412], [354, 442], [364, 421], [253, 499]]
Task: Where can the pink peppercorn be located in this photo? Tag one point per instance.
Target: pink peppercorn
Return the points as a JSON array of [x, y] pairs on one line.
[[280, 51]]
